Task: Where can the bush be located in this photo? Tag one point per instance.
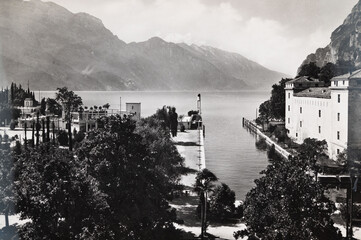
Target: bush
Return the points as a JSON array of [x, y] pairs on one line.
[[261, 144], [63, 138], [221, 203], [12, 125], [280, 134], [238, 212]]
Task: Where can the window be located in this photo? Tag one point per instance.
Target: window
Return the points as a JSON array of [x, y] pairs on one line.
[[338, 151], [339, 98], [289, 108], [296, 134], [338, 116], [319, 129], [336, 83], [289, 120], [300, 123], [300, 109], [343, 82], [289, 95], [319, 113], [338, 135]]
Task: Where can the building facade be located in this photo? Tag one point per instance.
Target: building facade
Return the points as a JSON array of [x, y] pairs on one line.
[[325, 113]]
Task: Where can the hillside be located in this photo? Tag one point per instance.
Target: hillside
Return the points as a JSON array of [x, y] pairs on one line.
[[51, 47]]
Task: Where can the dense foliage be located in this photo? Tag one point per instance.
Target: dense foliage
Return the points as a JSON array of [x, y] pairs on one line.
[[7, 195], [12, 98], [115, 185], [287, 202], [274, 108], [62, 201], [328, 71], [221, 203], [135, 181]]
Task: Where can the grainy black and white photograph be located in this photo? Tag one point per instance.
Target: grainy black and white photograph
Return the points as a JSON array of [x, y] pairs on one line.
[[180, 119]]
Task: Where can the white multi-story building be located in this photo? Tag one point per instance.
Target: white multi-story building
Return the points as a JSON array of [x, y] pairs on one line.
[[326, 113]]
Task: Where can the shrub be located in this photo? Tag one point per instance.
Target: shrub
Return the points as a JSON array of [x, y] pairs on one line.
[[63, 138], [222, 203], [261, 144], [12, 125]]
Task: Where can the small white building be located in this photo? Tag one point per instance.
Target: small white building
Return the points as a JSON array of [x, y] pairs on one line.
[[134, 109], [28, 109], [326, 113]]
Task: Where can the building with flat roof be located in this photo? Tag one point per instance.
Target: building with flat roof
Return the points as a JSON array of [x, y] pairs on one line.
[[326, 113]]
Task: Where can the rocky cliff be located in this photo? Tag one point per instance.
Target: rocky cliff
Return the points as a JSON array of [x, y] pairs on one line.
[[345, 42]]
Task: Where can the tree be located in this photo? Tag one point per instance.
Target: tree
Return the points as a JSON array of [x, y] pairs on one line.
[[43, 106], [70, 102], [310, 70], [162, 149], [106, 106], [264, 113], [203, 185], [221, 203], [327, 72], [7, 195], [54, 107], [62, 201], [277, 100], [311, 151], [287, 203], [136, 185]]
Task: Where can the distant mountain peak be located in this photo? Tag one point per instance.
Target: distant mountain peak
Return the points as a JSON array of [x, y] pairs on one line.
[[77, 51]]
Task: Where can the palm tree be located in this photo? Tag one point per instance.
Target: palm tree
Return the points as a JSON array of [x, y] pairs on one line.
[[203, 185]]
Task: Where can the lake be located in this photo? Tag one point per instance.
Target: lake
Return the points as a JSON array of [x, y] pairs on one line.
[[230, 150]]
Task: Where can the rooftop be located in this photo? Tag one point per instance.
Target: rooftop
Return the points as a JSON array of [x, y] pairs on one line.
[[303, 79], [315, 92], [348, 76]]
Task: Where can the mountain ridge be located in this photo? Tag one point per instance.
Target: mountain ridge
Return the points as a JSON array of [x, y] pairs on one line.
[[52, 47]]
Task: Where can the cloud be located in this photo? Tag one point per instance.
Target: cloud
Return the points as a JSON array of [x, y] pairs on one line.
[[255, 29]]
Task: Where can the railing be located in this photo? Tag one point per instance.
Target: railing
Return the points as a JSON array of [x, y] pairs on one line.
[[252, 126]]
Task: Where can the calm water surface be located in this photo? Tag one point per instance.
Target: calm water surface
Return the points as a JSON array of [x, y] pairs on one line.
[[230, 149]]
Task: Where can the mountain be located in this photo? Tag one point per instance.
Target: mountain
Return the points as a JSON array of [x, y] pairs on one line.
[[47, 45], [345, 45]]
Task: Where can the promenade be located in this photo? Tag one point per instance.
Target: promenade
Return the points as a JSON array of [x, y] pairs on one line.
[[190, 145]]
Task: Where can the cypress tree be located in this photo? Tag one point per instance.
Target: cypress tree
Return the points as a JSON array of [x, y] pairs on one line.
[[43, 128], [48, 129], [33, 134], [37, 129]]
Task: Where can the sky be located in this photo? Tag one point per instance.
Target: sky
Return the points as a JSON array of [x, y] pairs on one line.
[[277, 34]]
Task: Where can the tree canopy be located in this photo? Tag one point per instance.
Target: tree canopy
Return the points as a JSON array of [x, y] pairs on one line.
[[135, 180], [69, 100], [116, 185], [287, 203], [328, 71], [274, 108]]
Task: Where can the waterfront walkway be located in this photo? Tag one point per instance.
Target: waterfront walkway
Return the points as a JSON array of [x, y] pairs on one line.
[[190, 145]]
